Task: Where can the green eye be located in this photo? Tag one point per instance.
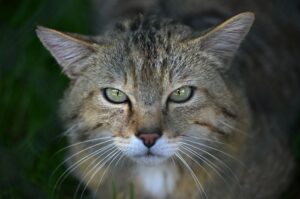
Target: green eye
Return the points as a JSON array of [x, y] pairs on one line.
[[182, 94], [115, 95]]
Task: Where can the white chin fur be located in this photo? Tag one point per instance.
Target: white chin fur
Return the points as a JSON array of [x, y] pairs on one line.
[[158, 181], [137, 151], [149, 160]]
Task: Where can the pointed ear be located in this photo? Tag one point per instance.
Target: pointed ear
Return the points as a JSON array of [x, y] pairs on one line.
[[70, 51], [224, 40]]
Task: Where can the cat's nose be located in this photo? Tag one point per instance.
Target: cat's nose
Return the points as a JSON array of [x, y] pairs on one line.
[[149, 138]]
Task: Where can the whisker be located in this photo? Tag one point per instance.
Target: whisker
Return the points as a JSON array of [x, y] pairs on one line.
[[98, 167], [77, 164], [215, 149], [75, 154], [70, 129], [87, 169], [83, 142], [198, 184], [216, 158], [67, 131], [235, 129], [214, 167], [173, 161], [121, 157], [98, 153], [207, 139], [202, 167], [107, 168]]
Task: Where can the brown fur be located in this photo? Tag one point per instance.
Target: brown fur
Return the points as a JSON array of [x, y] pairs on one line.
[[223, 133]]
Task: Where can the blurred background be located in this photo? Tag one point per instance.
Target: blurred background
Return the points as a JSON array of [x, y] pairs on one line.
[[31, 85]]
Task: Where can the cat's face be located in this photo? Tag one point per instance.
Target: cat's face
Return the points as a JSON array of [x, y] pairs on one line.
[[151, 91]]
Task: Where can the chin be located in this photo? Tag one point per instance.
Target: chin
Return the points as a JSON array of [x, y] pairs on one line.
[[149, 160]]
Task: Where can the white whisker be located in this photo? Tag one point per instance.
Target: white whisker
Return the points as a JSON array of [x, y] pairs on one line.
[[189, 156], [98, 153], [215, 149], [107, 168], [122, 155], [216, 158], [214, 167], [198, 184], [75, 154], [206, 139], [77, 164], [173, 161], [83, 142], [234, 128], [98, 167], [66, 132]]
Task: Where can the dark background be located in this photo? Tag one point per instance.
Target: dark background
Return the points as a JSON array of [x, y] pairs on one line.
[[31, 85]]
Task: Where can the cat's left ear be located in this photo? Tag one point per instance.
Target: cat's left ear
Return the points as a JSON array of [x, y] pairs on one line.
[[71, 51], [223, 41]]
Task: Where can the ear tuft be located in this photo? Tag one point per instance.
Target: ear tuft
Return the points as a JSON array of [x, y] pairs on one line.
[[224, 40], [70, 51]]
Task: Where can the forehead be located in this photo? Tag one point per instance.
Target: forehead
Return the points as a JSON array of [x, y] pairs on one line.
[[148, 56], [151, 47]]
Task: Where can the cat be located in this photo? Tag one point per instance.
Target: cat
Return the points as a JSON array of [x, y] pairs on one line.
[[176, 108]]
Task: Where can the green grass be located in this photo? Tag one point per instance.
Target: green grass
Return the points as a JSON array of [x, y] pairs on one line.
[[31, 85]]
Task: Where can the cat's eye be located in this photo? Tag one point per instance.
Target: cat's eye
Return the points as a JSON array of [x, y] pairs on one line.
[[115, 95], [181, 94]]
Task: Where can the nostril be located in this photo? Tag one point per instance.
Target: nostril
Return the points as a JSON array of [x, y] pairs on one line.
[[148, 139]]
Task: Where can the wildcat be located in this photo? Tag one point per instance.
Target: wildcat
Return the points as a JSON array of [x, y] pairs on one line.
[[175, 107]]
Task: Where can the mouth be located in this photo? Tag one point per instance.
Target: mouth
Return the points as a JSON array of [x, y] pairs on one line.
[[149, 158], [148, 154]]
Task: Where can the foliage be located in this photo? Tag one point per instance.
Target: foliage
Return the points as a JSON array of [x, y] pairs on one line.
[[30, 85]]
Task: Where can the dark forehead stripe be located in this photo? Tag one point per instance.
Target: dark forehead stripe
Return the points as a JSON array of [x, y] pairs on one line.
[[151, 38], [151, 31], [147, 36]]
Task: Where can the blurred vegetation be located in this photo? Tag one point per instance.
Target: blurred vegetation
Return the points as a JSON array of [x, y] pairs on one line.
[[31, 85]]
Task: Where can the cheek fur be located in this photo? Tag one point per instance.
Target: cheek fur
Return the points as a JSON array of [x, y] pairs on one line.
[[94, 114], [165, 147], [131, 146]]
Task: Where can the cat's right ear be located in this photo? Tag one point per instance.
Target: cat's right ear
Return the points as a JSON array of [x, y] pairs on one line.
[[70, 51]]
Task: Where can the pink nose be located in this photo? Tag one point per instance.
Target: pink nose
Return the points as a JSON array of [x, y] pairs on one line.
[[148, 138]]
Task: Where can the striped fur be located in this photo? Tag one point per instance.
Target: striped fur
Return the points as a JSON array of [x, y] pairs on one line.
[[227, 141]]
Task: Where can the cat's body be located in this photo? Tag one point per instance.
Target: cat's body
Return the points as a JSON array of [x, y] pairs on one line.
[[227, 140]]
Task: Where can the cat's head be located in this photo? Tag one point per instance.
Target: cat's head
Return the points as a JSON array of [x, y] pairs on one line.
[[149, 88]]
